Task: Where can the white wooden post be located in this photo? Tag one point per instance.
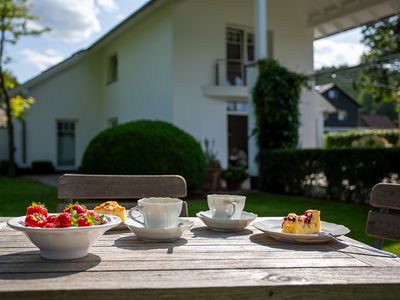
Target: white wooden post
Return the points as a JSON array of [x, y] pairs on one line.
[[260, 26]]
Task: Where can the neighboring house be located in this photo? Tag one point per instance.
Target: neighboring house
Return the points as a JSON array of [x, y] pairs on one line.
[[184, 62], [377, 122], [346, 114]]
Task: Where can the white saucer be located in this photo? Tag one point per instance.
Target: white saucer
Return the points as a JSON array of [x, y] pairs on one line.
[[272, 228], [226, 225], [157, 234]]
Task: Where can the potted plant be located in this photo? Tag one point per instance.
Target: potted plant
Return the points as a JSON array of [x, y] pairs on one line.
[[214, 169], [234, 176]]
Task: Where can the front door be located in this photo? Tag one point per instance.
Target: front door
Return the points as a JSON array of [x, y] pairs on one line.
[[237, 140]]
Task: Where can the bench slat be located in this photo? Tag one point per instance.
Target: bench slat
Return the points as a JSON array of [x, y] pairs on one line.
[[79, 186], [383, 226]]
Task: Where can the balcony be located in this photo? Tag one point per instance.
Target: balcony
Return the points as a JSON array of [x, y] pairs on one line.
[[230, 81]]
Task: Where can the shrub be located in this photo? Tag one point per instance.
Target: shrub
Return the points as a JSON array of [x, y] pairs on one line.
[[146, 148], [345, 174], [371, 141], [235, 173], [42, 167], [276, 97], [345, 139]]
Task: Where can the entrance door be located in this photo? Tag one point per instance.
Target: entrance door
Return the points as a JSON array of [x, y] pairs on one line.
[[237, 140]]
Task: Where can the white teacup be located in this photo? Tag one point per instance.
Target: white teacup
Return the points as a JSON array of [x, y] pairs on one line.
[[158, 212], [226, 206]]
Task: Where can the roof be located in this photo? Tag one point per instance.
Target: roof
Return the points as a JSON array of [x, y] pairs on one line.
[[77, 56], [323, 104], [322, 89], [377, 121]]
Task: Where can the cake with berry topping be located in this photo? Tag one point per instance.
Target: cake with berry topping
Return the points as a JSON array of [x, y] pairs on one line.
[[310, 222]]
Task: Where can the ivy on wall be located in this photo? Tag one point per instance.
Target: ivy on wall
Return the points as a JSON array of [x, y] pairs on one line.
[[276, 99]]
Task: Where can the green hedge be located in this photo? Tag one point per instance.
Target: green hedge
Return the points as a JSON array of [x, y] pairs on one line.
[[349, 174], [345, 139], [146, 148]]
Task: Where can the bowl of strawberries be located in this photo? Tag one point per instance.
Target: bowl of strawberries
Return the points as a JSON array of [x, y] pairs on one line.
[[66, 235]]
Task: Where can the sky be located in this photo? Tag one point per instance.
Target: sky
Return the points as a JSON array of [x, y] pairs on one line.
[[76, 24]]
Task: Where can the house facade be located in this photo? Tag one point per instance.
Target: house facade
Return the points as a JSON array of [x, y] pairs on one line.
[[185, 62], [346, 114]]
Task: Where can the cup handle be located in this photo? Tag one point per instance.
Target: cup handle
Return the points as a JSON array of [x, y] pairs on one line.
[[234, 205], [138, 208]]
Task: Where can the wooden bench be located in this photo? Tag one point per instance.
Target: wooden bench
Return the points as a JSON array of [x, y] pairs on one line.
[[127, 188], [382, 224]]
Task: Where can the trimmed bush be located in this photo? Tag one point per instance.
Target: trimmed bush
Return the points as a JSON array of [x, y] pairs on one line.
[[345, 139], [146, 148], [338, 174]]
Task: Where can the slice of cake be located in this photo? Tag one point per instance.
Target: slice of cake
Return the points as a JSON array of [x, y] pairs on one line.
[[111, 208], [310, 222]]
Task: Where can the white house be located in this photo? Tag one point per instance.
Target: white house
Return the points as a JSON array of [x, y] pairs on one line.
[[185, 62]]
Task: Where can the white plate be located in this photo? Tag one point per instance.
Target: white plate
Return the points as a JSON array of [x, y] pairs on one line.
[[64, 243], [226, 225], [157, 234], [273, 229]]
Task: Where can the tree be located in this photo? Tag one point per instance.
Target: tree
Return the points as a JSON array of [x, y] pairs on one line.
[[381, 79], [14, 23]]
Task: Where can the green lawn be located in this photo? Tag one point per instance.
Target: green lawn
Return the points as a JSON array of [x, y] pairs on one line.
[[17, 194]]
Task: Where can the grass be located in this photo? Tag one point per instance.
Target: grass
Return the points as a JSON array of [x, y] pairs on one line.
[[17, 194]]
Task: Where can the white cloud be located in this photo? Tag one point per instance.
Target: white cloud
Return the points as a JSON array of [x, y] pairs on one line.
[[333, 53], [72, 21], [41, 60], [107, 5]]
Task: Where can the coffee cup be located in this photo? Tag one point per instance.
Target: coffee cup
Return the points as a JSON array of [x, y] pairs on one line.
[[226, 206], [158, 212]]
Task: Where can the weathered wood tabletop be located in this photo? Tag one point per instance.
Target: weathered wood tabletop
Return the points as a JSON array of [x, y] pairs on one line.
[[202, 264]]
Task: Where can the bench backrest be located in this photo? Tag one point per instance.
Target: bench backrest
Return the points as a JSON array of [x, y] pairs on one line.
[[382, 224], [81, 186]]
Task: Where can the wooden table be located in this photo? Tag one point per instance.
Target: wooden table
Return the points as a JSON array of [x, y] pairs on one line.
[[203, 264]]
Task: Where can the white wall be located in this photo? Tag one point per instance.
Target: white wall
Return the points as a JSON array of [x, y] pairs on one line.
[[72, 94], [144, 86], [80, 92], [199, 40]]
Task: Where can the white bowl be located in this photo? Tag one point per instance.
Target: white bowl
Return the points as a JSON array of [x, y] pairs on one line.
[[64, 243]]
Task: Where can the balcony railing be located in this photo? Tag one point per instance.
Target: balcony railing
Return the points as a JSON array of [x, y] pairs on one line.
[[230, 72]]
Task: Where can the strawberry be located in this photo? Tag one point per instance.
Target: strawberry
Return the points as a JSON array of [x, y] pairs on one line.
[[35, 220], [50, 225], [37, 208], [86, 220], [63, 220], [77, 207], [52, 219]]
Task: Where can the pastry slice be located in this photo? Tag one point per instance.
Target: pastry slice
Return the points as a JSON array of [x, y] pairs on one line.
[[310, 222], [111, 208]]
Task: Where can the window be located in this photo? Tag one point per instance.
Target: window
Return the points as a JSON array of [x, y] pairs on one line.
[[66, 143], [342, 115], [237, 106], [332, 94], [113, 69]]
